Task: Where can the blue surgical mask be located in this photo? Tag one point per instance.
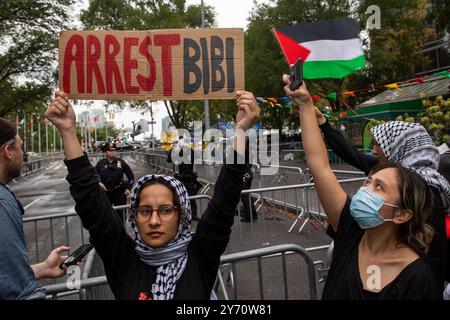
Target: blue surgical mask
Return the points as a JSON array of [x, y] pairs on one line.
[[365, 207]]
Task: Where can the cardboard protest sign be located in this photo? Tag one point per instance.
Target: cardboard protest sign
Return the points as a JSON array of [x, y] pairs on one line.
[[172, 64]]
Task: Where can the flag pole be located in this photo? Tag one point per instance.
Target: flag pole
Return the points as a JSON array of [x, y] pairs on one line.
[[31, 133]]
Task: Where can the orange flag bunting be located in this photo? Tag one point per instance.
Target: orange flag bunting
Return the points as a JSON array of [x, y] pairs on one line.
[[271, 102], [350, 94]]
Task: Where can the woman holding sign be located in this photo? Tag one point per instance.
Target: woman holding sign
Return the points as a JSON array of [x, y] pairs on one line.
[[380, 235], [162, 260]]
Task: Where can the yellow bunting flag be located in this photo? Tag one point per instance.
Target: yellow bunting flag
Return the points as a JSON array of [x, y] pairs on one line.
[[392, 86]]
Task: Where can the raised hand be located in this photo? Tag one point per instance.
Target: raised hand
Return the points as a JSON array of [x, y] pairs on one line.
[[300, 96], [249, 111], [61, 113]]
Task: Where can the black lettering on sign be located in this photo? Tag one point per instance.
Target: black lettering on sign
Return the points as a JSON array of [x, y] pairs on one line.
[[205, 64], [230, 65], [217, 55], [190, 66]]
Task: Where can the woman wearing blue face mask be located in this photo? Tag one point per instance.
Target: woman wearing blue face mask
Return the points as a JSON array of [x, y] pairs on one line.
[[380, 236]]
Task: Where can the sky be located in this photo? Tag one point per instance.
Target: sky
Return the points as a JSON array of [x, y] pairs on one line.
[[229, 14]]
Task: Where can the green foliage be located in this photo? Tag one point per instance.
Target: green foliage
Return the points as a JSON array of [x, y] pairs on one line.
[[440, 11], [28, 37], [435, 118], [391, 52]]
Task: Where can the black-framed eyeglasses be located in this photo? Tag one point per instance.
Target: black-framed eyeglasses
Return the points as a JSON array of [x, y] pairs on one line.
[[165, 212]]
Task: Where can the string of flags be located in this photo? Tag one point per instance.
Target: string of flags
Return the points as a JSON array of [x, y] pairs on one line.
[[285, 102]]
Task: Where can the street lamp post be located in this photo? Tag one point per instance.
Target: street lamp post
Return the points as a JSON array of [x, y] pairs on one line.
[[206, 102], [152, 138]]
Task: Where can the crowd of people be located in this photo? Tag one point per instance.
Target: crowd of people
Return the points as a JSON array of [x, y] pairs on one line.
[[393, 227]]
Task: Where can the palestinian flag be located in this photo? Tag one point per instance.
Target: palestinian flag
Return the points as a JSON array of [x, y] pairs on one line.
[[329, 49]]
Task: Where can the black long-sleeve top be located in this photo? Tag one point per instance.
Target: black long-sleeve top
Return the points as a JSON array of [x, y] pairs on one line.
[[127, 275], [437, 255]]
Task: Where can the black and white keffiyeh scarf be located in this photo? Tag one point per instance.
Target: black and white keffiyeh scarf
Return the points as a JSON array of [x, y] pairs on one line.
[[170, 259], [411, 145]]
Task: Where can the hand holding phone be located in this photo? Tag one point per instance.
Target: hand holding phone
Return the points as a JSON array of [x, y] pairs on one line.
[[77, 255], [296, 74]]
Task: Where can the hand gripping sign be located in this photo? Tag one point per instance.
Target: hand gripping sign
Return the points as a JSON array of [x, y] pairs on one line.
[[172, 64]]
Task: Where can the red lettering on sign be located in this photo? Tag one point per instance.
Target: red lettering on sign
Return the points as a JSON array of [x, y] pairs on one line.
[[147, 83], [111, 67], [129, 64], [166, 41], [93, 55], [76, 42]]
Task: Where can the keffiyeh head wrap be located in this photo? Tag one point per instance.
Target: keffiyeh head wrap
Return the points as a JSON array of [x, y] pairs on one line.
[[170, 259], [411, 145]]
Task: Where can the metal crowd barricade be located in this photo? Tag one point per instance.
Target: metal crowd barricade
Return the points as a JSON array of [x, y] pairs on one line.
[[155, 160], [69, 231], [299, 154], [258, 255], [276, 206], [284, 175], [30, 167], [279, 209], [262, 256], [50, 231]]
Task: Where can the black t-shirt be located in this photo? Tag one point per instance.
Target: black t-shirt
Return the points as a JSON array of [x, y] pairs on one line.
[[415, 282]]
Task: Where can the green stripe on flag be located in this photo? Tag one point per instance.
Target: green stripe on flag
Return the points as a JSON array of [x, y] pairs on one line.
[[331, 68]]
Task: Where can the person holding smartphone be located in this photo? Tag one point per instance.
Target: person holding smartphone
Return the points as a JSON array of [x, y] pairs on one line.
[[162, 260], [380, 235], [18, 279]]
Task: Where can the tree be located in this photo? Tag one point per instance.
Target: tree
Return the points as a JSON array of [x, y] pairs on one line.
[[392, 52], [435, 118], [28, 37], [440, 12], [146, 15]]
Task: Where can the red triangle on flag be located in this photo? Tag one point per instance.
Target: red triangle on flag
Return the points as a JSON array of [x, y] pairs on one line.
[[292, 50]]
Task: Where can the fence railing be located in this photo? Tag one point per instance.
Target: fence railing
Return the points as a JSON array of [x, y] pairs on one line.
[[228, 289], [278, 208], [299, 154], [33, 166]]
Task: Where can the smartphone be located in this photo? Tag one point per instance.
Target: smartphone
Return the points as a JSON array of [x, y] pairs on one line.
[[296, 75], [77, 255]]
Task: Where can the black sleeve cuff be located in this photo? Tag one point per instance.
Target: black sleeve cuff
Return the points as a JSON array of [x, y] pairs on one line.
[[77, 167], [326, 126]]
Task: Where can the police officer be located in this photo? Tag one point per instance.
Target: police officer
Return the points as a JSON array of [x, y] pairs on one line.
[[111, 170], [186, 174]]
